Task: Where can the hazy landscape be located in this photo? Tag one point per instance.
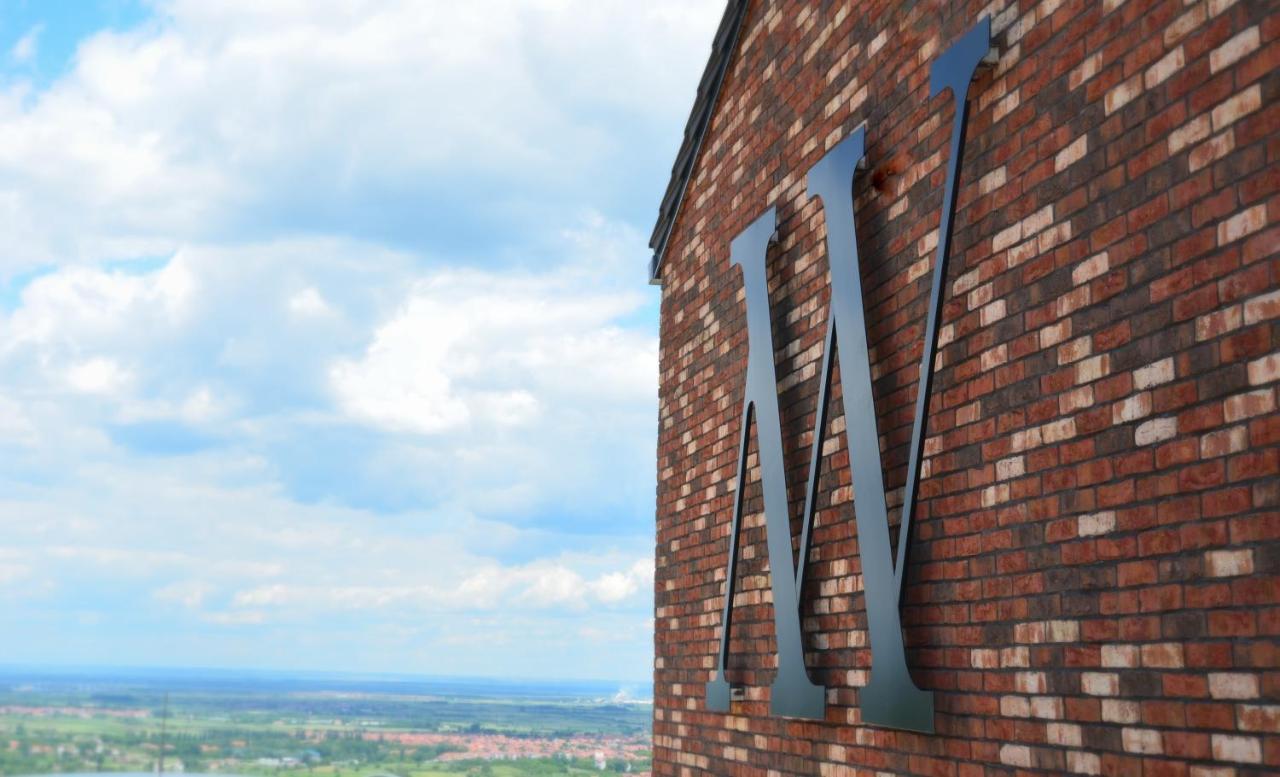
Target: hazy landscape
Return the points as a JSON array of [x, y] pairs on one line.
[[316, 725]]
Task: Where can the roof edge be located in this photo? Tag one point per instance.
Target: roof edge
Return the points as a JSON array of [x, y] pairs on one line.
[[695, 131]]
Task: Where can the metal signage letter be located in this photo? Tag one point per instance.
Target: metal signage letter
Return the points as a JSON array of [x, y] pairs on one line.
[[890, 698], [793, 694]]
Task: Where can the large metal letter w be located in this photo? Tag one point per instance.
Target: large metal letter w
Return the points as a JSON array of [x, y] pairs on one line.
[[890, 697]]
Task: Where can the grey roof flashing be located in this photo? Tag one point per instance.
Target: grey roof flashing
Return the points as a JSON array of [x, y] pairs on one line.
[[695, 131]]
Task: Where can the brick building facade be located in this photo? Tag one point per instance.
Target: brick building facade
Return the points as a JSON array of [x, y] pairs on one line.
[[1093, 582]]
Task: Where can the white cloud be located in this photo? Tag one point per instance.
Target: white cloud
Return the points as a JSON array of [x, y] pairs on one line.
[[97, 376], [617, 586], [234, 401], [190, 594], [25, 49], [11, 572], [182, 129], [541, 584], [308, 303], [495, 348]]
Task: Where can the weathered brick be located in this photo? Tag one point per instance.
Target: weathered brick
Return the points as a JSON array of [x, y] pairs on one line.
[[1073, 153], [1264, 370], [1242, 104], [1090, 579], [1211, 150], [1153, 374], [1166, 66], [1249, 404], [1241, 749], [1230, 52], [1192, 132]]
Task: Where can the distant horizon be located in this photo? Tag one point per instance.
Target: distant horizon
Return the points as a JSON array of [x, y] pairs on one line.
[[141, 671]]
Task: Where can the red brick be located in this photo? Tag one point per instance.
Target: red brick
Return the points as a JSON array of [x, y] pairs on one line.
[[1104, 438]]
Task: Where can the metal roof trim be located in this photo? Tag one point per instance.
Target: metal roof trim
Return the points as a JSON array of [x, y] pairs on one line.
[[695, 131]]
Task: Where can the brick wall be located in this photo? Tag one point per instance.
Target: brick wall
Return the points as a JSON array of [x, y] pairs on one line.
[[1093, 585]]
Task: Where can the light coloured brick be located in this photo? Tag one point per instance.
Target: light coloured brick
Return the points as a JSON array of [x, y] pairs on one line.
[[1265, 369], [1005, 106], [1244, 223], [1122, 93], [1227, 747], [1184, 24], [1120, 656], [1145, 741], [1229, 563], [1015, 755], [1063, 631], [1014, 657], [1053, 236], [1037, 221], [1090, 268], [1242, 104], [1071, 154], [1233, 685], [1250, 404], [1026, 439], [1100, 683], [1132, 408], [992, 313], [1221, 442], [1030, 682], [1032, 632], [1164, 67], [1075, 399], [1095, 524], [877, 43], [992, 181], [1217, 323], [1011, 467], [984, 658], [1233, 50], [1072, 301], [1015, 707], [1121, 711], [994, 495], [1057, 332], [1193, 131], [1211, 150], [1006, 237], [1155, 430], [1046, 707], [1063, 734], [1260, 308], [1093, 368], [1081, 762], [1075, 350], [1057, 431], [994, 357], [1085, 70], [1153, 374]]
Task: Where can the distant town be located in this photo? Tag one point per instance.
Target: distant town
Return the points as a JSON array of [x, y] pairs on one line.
[[275, 726]]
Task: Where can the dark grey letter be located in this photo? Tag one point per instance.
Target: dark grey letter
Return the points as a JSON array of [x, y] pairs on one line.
[[890, 697], [793, 694]]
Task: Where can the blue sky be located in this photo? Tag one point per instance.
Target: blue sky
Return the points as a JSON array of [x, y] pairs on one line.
[[325, 341]]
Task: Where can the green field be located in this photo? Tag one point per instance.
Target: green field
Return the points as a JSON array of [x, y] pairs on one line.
[[302, 729]]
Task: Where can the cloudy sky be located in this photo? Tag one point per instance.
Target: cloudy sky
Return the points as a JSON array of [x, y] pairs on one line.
[[325, 341]]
